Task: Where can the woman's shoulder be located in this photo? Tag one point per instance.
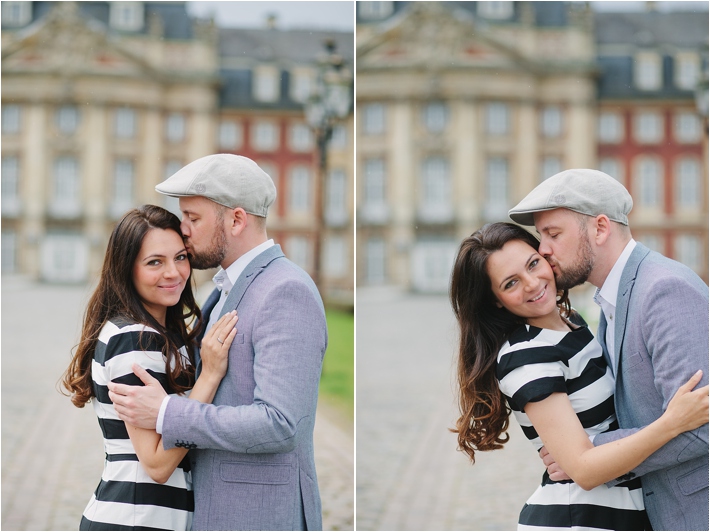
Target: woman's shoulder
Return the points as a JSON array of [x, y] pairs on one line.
[[120, 335]]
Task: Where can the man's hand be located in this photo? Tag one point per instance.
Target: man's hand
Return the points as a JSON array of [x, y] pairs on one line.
[[553, 469], [138, 405]]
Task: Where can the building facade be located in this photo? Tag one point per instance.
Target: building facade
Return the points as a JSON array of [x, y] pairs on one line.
[[101, 101], [650, 134], [463, 108]]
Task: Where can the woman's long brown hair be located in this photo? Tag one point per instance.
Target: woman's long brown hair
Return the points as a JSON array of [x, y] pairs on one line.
[[116, 296], [484, 328]]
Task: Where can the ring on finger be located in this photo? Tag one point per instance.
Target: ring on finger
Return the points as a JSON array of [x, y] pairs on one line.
[[220, 341]]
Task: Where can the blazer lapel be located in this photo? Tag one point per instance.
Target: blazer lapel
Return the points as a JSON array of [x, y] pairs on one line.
[[253, 269], [626, 285]]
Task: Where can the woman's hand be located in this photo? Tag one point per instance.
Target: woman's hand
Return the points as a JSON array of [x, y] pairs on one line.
[[689, 408], [214, 351]]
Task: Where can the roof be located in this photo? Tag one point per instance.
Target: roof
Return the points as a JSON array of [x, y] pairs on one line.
[[684, 29]]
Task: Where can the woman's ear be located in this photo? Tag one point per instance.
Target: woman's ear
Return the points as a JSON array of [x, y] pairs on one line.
[[499, 304]]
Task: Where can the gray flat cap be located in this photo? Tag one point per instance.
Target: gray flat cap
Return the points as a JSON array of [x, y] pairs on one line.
[[230, 180], [582, 190]]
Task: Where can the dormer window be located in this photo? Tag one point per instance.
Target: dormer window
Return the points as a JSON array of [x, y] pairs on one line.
[[495, 10], [375, 10], [266, 84], [127, 16], [16, 14], [647, 71]]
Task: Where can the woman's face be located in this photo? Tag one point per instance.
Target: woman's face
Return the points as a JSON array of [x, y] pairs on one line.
[[522, 282], [161, 271]]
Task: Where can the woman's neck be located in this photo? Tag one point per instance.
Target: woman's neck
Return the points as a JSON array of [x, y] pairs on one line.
[[553, 321]]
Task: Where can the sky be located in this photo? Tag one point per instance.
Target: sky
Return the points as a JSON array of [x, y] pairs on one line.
[[333, 15], [339, 14]]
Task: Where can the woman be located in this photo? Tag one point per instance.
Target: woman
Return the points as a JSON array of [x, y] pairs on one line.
[[523, 349], [139, 314]]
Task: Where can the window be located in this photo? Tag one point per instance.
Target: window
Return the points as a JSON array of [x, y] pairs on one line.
[[169, 202], [374, 182], [375, 257], [432, 262], [65, 193], [687, 251], [435, 199], [299, 251], [495, 10], [647, 71], [339, 138], [373, 116], [10, 119], [335, 199], [686, 127], [435, 116], [496, 193], [300, 138], [122, 197], [230, 135], [175, 127], [67, 119], [125, 123], [612, 167], [9, 250], [335, 256], [687, 70], [300, 189], [301, 84], [375, 10], [265, 136], [550, 166], [16, 13], [610, 128], [10, 175], [687, 181], [648, 127], [551, 121], [648, 183], [126, 16], [652, 242], [266, 84], [497, 119], [64, 258]]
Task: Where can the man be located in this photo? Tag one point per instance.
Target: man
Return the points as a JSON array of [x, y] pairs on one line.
[[253, 465], [653, 328]]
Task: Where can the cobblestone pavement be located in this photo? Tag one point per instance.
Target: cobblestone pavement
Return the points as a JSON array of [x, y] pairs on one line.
[[409, 474], [52, 452]]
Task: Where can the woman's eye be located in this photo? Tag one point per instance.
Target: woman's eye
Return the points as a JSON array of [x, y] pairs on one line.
[[181, 256], [534, 263], [509, 284], [154, 262]]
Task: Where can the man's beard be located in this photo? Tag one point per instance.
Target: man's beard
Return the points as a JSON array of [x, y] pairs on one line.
[[212, 256], [579, 272]]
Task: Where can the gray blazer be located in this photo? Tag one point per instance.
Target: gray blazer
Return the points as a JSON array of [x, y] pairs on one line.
[[252, 457], [661, 336]]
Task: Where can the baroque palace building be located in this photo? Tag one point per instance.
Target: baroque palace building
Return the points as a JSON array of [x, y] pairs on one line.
[[103, 100], [463, 107]]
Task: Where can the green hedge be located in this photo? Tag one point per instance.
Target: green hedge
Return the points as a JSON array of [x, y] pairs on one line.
[[337, 381]]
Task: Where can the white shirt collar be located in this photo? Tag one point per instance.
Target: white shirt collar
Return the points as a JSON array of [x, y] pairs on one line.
[[610, 288], [235, 269]]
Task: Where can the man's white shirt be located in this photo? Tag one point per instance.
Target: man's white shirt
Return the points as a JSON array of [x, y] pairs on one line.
[[605, 297], [224, 280]]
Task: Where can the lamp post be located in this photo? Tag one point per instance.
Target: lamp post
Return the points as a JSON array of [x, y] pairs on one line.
[[329, 102]]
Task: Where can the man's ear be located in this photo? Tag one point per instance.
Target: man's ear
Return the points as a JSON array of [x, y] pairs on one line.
[[238, 219], [602, 229]]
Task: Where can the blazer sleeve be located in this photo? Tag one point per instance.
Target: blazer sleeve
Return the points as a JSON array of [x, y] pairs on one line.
[[675, 330], [289, 340]]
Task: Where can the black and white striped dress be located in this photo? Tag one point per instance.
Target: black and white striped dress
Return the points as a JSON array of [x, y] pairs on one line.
[[535, 363], [127, 498]]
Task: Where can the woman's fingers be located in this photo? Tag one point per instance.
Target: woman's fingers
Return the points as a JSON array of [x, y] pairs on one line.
[[692, 382]]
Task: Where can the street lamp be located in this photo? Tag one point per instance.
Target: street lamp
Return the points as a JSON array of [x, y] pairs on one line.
[[330, 101]]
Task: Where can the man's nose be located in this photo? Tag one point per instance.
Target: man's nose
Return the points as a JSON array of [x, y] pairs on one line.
[[184, 229], [544, 248]]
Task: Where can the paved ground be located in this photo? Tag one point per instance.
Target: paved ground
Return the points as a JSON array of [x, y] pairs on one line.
[[409, 474], [52, 452]]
